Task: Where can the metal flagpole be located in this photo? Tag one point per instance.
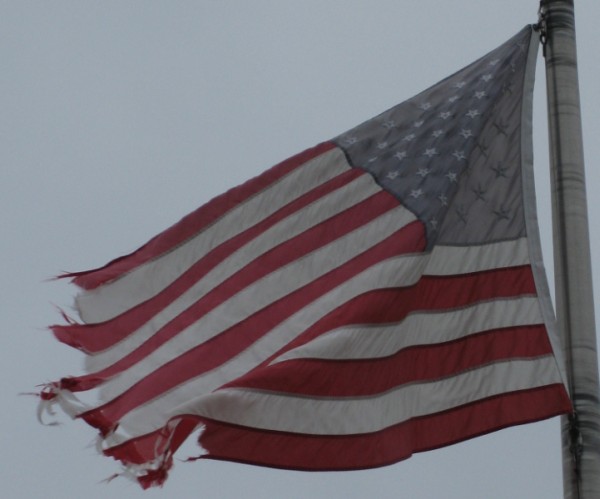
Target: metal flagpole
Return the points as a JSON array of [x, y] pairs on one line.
[[573, 279]]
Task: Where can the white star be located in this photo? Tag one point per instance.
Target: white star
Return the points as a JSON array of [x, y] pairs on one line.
[[372, 160], [351, 140], [459, 155], [425, 106], [430, 152], [494, 62], [480, 193], [472, 113], [409, 137], [454, 98], [443, 199], [459, 84], [502, 213], [462, 213], [480, 94], [434, 223], [466, 133], [452, 176], [423, 172], [500, 170], [382, 145], [417, 124], [437, 133], [392, 175], [445, 115], [487, 77], [416, 193], [400, 155], [388, 124]]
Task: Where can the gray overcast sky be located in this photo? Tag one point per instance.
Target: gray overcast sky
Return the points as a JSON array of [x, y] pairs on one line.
[[119, 117]]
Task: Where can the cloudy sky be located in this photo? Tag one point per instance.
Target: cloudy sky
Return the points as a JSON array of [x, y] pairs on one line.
[[119, 117]]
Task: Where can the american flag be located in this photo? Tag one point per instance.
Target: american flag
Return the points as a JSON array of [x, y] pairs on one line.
[[377, 295]]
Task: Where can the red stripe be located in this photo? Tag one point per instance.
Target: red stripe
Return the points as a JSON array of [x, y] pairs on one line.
[[395, 305], [350, 452], [378, 306], [212, 354], [209, 355], [287, 252], [356, 378], [93, 338], [306, 452], [429, 293], [194, 222]]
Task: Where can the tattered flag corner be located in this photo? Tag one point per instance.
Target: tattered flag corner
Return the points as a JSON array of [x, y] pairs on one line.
[[378, 295]]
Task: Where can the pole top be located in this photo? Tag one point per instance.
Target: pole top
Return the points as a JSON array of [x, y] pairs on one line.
[[557, 14]]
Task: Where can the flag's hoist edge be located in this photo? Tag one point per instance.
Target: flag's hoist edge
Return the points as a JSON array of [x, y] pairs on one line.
[[259, 332]]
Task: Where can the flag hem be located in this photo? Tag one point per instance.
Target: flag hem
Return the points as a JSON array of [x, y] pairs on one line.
[[530, 212]]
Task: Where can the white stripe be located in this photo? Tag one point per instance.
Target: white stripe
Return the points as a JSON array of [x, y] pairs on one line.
[[445, 259], [423, 328], [327, 416], [115, 297], [260, 294], [457, 260], [395, 272], [313, 214], [398, 271], [346, 415]]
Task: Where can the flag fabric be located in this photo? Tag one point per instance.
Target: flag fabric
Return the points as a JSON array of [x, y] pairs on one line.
[[377, 295]]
